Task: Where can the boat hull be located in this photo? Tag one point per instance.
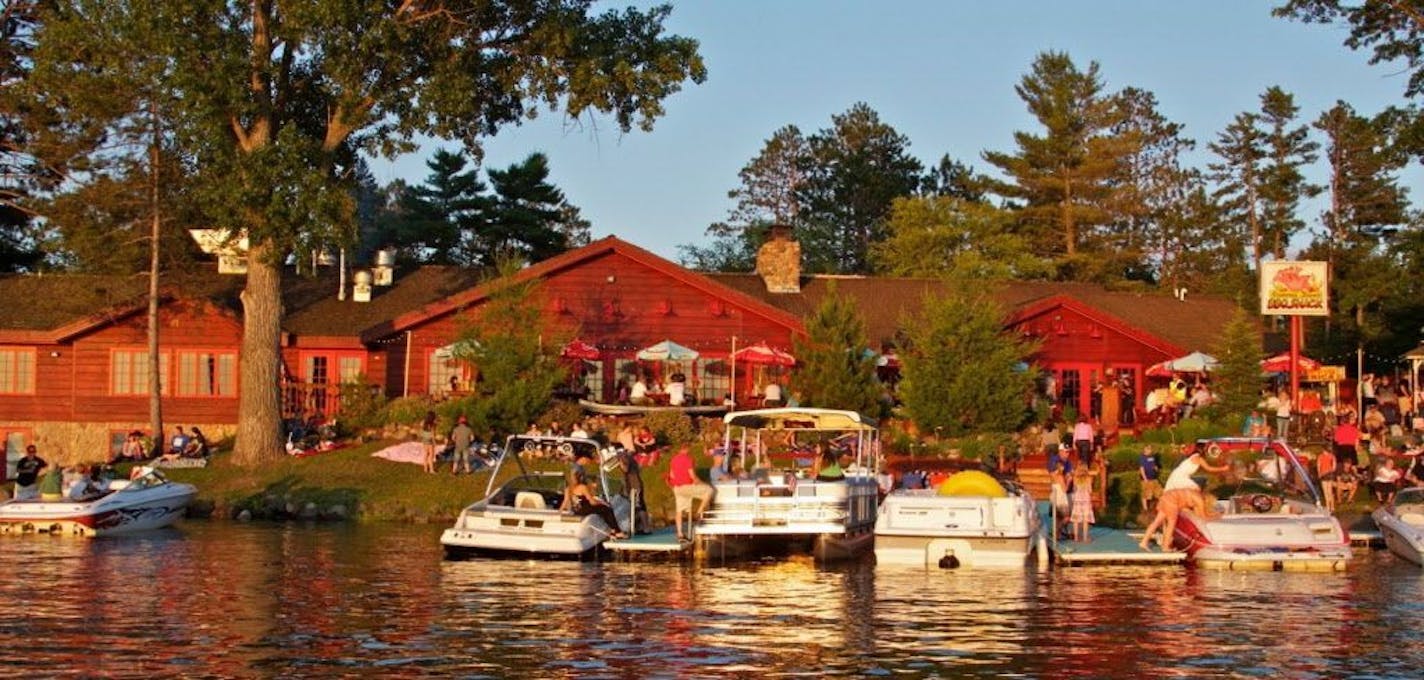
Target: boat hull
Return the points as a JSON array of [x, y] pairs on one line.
[[120, 512], [1403, 533], [922, 528], [1306, 540], [487, 530], [833, 519]]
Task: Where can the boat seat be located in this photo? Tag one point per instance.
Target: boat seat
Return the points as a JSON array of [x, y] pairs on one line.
[[530, 500], [1413, 519]]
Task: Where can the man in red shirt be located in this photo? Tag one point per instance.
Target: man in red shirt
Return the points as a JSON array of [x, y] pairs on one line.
[[687, 489], [1347, 443]]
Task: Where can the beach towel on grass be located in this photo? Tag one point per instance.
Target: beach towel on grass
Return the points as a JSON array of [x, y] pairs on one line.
[[406, 452]]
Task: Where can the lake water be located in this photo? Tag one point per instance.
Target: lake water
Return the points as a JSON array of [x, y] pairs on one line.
[[235, 600]]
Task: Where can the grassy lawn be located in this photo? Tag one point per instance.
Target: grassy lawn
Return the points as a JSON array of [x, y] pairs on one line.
[[366, 487]]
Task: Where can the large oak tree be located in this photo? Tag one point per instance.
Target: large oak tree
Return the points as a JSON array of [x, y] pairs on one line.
[[274, 98]]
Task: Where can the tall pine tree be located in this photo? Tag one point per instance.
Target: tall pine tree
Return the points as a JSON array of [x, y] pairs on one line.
[[1066, 179]]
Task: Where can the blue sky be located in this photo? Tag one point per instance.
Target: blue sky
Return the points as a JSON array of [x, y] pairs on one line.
[[941, 73]]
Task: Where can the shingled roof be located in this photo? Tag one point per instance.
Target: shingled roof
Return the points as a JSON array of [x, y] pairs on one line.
[[31, 304], [49, 303], [314, 310], [1194, 323]]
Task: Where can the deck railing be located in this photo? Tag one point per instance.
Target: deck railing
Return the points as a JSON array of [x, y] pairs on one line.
[[303, 400]]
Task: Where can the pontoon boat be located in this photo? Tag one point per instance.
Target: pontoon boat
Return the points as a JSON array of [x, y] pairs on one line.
[[779, 504]]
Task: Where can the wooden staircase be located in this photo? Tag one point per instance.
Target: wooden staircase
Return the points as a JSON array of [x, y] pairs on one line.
[[1034, 478]]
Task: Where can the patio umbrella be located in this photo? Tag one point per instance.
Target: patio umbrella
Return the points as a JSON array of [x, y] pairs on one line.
[[1280, 363], [667, 350], [763, 354], [578, 349], [1196, 362]]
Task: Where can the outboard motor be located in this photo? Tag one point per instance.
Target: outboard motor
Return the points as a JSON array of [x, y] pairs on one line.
[[949, 561]]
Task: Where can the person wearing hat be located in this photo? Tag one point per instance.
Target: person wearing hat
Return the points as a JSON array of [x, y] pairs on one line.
[[463, 438], [27, 473]]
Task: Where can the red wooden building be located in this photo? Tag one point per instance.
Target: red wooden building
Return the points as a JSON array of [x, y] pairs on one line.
[[73, 369]]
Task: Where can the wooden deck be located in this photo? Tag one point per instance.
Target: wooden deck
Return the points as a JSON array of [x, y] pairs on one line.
[[660, 542], [1108, 546]]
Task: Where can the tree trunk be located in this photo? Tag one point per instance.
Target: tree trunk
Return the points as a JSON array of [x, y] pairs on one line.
[[155, 374], [259, 431]]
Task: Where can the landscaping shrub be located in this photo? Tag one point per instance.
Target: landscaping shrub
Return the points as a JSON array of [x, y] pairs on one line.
[[672, 428]]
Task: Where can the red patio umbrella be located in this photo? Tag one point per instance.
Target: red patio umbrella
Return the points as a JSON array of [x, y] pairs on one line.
[[1280, 363], [764, 354], [578, 349]]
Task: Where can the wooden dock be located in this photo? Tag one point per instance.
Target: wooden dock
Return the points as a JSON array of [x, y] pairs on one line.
[[1109, 546]]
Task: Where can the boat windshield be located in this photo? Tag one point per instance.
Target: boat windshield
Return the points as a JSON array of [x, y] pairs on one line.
[[146, 480], [1263, 465], [1414, 496], [529, 455]]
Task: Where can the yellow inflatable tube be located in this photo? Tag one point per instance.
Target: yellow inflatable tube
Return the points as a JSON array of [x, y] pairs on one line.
[[972, 483]]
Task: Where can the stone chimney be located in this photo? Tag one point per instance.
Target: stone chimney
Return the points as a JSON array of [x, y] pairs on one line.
[[779, 261]]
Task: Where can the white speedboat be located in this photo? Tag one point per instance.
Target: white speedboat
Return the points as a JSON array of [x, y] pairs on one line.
[[972, 519], [1402, 524], [149, 501], [519, 514], [1273, 519], [780, 505]]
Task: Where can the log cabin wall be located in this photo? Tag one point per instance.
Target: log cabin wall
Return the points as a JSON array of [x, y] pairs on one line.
[[1079, 350], [619, 305]]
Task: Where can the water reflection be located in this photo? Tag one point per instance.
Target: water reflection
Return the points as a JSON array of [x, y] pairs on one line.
[[237, 600]]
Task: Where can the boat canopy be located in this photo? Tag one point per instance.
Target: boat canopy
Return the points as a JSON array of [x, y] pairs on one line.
[[792, 418]]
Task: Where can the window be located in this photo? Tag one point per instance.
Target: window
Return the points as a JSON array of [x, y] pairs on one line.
[[715, 380], [17, 371], [593, 378], [448, 374], [207, 374], [128, 372], [350, 369]]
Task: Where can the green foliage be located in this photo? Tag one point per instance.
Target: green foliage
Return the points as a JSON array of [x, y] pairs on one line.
[[406, 410], [436, 221], [1068, 178], [271, 103], [858, 167], [516, 355], [1237, 381], [834, 188], [452, 220], [530, 217], [834, 369], [961, 371], [362, 405], [674, 429], [942, 236]]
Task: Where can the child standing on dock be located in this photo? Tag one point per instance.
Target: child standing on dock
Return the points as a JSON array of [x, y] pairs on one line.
[[1082, 517]]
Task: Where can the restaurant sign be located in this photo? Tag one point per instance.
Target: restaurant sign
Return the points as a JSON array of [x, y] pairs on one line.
[[1295, 288]]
